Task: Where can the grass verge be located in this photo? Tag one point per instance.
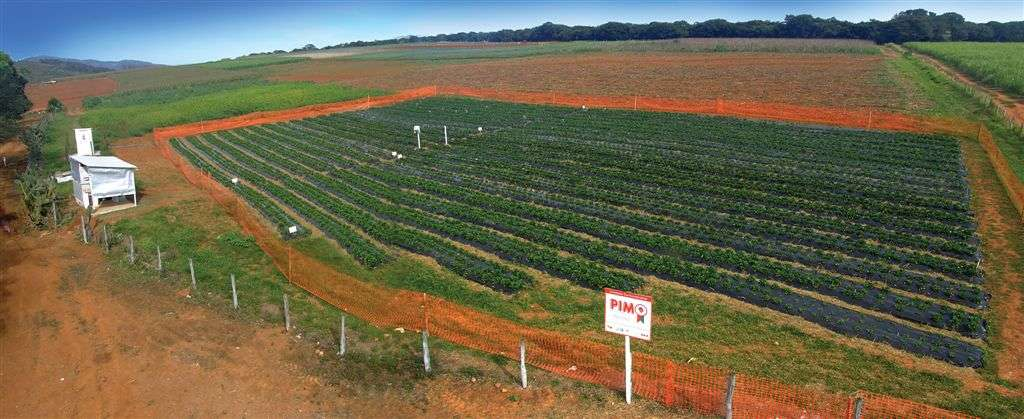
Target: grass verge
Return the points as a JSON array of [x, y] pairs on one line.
[[137, 113]]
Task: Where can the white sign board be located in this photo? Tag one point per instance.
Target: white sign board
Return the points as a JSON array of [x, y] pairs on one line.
[[83, 141], [627, 314]]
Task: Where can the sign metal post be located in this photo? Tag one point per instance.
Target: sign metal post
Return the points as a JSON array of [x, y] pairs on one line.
[[629, 315]]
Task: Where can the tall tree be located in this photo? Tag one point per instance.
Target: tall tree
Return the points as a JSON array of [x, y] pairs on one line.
[[13, 101]]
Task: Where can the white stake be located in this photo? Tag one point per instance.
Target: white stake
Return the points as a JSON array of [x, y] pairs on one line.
[[192, 272], [341, 337], [426, 352], [131, 249], [445, 135], [629, 373], [234, 293], [85, 231], [522, 361], [287, 317], [159, 260]]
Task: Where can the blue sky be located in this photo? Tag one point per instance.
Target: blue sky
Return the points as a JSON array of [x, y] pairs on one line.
[[178, 32]]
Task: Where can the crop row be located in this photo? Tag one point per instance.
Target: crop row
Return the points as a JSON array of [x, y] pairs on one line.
[[495, 213], [708, 211], [576, 269], [274, 213], [459, 261], [746, 288]]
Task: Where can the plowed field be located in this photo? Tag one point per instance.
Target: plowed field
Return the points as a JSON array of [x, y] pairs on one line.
[[835, 80], [71, 92]]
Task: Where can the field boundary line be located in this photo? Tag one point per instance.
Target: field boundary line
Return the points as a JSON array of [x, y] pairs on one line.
[[672, 383]]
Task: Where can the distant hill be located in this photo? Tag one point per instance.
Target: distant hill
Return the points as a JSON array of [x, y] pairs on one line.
[[43, 68]]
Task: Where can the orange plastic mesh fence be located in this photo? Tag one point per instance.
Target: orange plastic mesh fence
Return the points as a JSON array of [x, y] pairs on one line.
[[695, 387]]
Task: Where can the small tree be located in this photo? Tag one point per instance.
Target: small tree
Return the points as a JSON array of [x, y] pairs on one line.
[[54, 105]]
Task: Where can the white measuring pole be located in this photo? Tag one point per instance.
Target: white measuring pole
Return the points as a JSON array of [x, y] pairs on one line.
[[192, 272], [341, 337], [445, 135], [234, 293], [522, 361], [426, 352], [287, 317], [629, 373], [417, 129], [159, 260]]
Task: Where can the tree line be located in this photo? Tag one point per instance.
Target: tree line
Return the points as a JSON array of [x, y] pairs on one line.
[[906, 26]]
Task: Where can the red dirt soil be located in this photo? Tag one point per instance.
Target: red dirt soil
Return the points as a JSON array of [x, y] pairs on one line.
[[838, 80], [71, 92]]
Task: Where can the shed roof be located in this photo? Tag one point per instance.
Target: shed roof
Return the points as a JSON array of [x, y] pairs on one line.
[[101, 161]]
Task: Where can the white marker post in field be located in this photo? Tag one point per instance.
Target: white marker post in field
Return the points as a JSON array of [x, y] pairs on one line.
[[629, 315], [416, 129], [446, 135]]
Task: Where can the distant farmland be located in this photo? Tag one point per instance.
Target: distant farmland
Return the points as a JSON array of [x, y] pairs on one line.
[[867, 234]]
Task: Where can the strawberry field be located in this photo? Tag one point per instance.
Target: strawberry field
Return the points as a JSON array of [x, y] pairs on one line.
[[867, 234]]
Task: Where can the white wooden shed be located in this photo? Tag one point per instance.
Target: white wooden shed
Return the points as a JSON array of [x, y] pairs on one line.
[[105, 181]]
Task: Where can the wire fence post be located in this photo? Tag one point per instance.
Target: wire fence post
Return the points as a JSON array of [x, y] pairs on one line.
[[234, 293], [341, 337], [629, 372], [426, 334], [522, 361], [192, 273], [730, 389], [287, 317], [858, 408], [426, 352], [85, 231]]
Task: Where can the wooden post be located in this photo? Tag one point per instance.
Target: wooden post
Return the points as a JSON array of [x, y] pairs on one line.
[[192, 272], [341, 337], [730, 389], [522, 361], [85, 231], [426, 352], [159, 260], [629, 373], [53, 211], [131, 249], [106, 240], [287, 317], [234, 293], [858, 408]]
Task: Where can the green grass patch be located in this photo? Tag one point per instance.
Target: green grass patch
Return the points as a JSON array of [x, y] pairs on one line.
[[251, 62], [137, 113], [997, 64]]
